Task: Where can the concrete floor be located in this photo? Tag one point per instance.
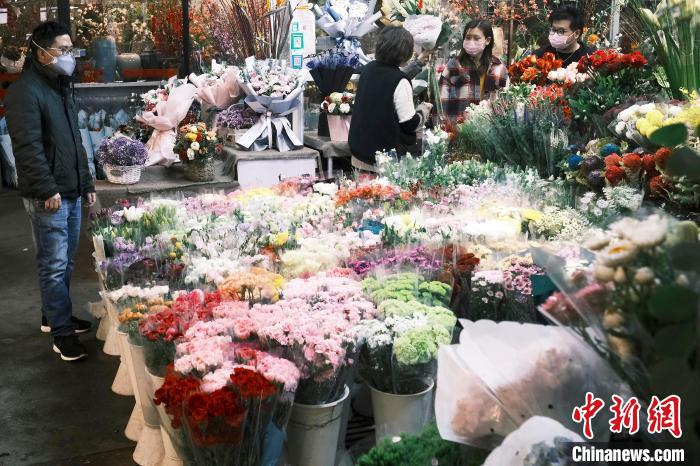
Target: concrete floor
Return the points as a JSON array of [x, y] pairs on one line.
[[52, 412]]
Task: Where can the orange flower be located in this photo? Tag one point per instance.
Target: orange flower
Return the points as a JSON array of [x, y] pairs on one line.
[[529, 74], [592, 39]]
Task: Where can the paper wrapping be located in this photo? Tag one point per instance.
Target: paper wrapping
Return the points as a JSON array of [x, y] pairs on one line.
[[165, 120], [348, 31]]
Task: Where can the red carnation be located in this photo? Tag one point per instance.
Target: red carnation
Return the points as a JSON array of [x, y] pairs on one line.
[[613, 160], [661, 156], [649, 163], [614, 175], [632, 161], [657, 185]]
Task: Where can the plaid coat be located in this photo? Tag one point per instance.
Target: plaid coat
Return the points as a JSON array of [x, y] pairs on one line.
[[461, 85]]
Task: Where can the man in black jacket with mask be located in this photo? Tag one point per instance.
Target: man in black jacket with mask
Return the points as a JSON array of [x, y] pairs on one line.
[[53, 173]]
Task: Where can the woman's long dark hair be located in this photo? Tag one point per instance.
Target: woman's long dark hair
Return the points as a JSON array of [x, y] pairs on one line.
[[487, 31]]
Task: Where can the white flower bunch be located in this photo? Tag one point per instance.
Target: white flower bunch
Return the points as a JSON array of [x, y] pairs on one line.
[[130, 292], [338, 103], [568, 75], [326, 189]]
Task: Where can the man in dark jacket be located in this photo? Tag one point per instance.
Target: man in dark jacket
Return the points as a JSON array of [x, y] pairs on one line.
[[53, 173], [565, 35]]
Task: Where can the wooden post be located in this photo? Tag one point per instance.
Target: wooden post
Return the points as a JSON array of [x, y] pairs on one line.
[[510, 33], [186, 52]]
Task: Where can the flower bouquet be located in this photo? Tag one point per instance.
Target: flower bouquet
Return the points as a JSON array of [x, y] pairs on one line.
[[233, 122], [123, 159], [196, 147], [164, 111], [398, 354], [273, 90], [338, 107], [216, 92], [347, 21], [331, 72], [7, 159], [424, 19], [534, 70]]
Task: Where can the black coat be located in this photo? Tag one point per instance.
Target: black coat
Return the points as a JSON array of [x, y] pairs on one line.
[[42, 120]]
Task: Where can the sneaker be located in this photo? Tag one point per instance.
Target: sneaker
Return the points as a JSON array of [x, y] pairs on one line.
[[45, 328], [81, 326], [69, 348]]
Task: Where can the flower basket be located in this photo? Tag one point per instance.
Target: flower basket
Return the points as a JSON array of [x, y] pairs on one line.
[[200, 170], [339, 127], [123, 175]]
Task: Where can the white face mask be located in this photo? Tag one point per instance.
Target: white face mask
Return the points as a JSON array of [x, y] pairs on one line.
[[62, 64]]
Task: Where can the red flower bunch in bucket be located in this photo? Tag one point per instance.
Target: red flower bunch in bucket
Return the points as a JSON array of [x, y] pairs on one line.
[[534, 70], [610, 61]]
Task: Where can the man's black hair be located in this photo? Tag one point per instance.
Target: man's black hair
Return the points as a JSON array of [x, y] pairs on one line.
[[571, 13], [45, 34]]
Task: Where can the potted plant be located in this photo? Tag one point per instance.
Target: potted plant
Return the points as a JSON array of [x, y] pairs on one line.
[[338, 106], [122, 158], [196, 147], [233, 122]]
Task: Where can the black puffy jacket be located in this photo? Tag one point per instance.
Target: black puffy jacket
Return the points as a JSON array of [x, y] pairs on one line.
[[43, 123]]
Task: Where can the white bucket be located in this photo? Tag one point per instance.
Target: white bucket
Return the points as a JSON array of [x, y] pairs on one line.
[[122, 382], [398, 414], [149, 448], [171, 456], [312, 433]]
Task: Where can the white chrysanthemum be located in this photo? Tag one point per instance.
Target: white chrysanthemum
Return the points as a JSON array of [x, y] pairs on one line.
[[625, 228], [617, 253], [344, 108], [598, 240], [650, 232]]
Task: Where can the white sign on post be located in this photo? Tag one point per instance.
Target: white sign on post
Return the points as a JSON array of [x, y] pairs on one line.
[[302, 35]]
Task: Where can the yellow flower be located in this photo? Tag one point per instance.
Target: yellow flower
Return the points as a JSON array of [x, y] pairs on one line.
[[532, 215], [592, 39], [281, 238], [178, 245], [642, 125], [191, 137], [655, 117], [650, 130], [172, 255]]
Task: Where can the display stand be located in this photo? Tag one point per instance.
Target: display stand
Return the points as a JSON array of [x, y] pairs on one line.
[[329, 149], [268, 167], [163, 180]]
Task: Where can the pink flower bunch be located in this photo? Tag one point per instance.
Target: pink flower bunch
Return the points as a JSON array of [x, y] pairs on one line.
[[517, 273], [278, 370], [204, 355], [210, 204]]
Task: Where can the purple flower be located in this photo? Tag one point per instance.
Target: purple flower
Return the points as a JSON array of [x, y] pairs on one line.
[[237, 117], [121, 151]]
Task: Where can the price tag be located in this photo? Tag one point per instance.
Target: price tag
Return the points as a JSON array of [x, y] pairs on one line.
[[42, 14], [3, 15]]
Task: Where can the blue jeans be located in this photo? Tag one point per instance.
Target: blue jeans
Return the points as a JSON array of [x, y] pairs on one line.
[[56, 236]]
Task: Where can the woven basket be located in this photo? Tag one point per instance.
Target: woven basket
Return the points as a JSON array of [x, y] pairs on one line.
[[123, 175], [199, 170]]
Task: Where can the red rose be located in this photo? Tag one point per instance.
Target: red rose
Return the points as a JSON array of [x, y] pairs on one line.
[[613, 160], [632, 161], [614, 175]]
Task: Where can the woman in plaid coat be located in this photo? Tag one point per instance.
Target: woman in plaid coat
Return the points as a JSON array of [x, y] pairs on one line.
[[475, 74]]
